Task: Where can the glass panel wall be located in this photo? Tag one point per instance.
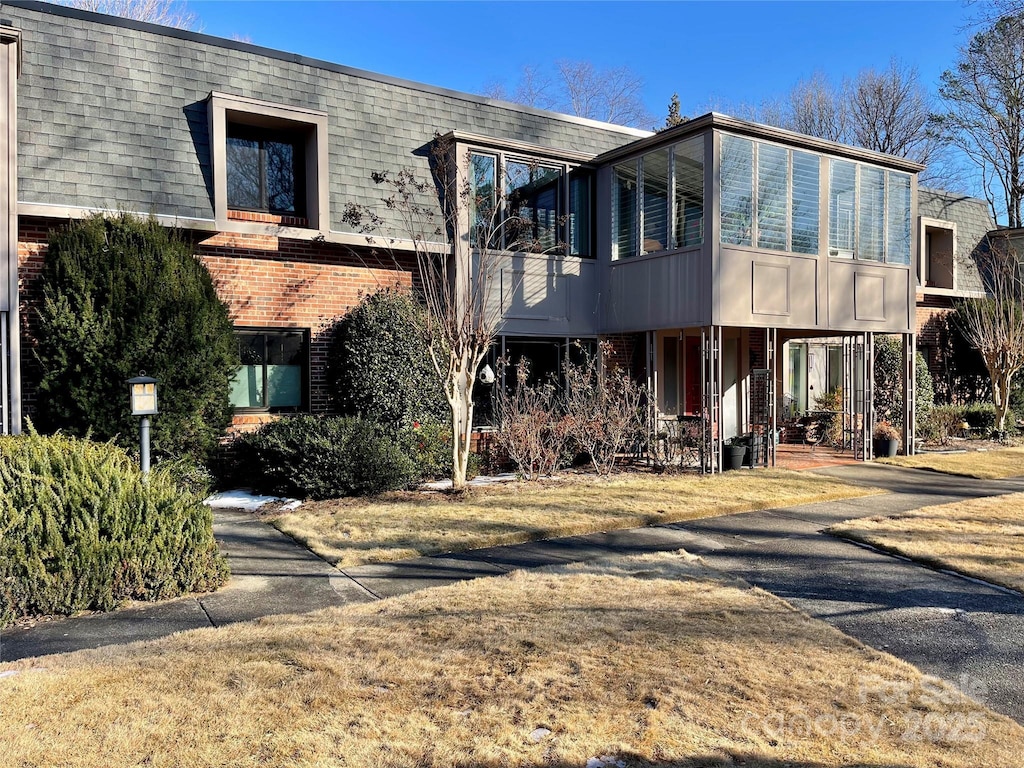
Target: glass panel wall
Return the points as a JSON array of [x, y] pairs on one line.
[[580, 201], [688, 168], [658, 200], [805, 214], [769, 196], [624, 219], [531, 207], [842, 199], [483, 197], [737, 190], [869, 211], [898, 219], [871, 215], [772, 196], [655, 201]]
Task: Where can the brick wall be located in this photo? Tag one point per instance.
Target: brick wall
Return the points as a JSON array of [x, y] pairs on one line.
[[266, 281]]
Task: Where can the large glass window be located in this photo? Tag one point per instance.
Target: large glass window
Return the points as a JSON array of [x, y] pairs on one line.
[[520, 204], [769, 196], [842, 207], [580, 223], [531, 213], [805, 213], [655, 201], [869, 210], [898, 219], [737, 190], [624, 222], [275, 364], [688, 165], [483, 197], [265, 170], [871, 214], [772, 196], [658, 200]]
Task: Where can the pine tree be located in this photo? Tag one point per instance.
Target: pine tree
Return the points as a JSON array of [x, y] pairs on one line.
[[674, 117]]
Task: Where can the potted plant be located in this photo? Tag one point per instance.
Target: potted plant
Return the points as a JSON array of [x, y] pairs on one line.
[[734, 453], [887, 439]]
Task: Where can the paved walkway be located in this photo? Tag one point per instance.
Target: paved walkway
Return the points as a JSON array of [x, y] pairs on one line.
[[948, 626]]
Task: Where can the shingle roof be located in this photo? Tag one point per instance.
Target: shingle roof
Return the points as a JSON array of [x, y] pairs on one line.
[[113, 114]]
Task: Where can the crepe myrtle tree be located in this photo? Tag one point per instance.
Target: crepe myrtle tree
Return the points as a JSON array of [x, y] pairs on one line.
[[461, 231], [994, 324]]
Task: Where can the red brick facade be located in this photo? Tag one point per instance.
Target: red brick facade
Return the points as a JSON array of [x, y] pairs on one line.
[[267, 282]]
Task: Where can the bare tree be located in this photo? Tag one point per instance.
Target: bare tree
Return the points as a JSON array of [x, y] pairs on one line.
[[888, 112], [994, 325], [170, 13], [983, 99], [579, 88], [461, 237], [818, 108]]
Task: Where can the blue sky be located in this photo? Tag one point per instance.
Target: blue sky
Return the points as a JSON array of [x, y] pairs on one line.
[[722, 54]]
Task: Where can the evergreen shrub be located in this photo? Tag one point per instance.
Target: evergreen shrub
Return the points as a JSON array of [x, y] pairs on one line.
[[323, 457], [121, 295], [378, 364], [81, 530]]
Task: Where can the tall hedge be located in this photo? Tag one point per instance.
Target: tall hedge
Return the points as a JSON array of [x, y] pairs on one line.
[[81, 530], [378, 365], [122, 295]]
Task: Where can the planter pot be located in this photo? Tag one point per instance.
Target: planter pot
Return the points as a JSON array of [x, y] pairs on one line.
[[734, 456], [886, 447]]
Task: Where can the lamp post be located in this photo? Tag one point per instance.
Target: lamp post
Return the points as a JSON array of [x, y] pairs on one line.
[[142, 393]]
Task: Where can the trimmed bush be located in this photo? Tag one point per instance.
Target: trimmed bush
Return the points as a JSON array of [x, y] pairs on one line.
[[121, 295], [81, 530], [981, 417], [378, 365], [323, 457]]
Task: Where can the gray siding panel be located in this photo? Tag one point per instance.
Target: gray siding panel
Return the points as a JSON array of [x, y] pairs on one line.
[[115, 116]]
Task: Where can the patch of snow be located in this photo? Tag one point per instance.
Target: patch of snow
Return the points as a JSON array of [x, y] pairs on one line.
[[444, 485], [246, 500], [539, 734], [605, 761], [8, 673]]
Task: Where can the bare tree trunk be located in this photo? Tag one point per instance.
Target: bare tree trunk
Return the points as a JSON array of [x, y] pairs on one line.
[[1001, 381], [461, 404]]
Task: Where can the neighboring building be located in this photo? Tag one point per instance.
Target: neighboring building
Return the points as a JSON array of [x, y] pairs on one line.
[[699, 252]]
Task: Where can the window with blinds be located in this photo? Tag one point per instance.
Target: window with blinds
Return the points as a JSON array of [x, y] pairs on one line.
[[805, 213], [842, 194], [654, 166], [898, 219], [737, 190], [871, 214], [772, 196], [688, 167], [769, 196], [624, 220]]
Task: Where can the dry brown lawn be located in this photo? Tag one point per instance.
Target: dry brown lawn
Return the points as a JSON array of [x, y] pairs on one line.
[[978, 537], [354, 531], [985, 465], [648, 661]]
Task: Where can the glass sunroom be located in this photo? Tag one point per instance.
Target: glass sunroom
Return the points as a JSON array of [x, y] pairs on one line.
[[722, 243]]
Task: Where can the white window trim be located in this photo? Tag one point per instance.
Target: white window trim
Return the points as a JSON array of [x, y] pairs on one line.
[[221, 107]]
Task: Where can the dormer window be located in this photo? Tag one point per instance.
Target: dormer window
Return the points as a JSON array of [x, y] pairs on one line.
[[265, 170], [269, 164]]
